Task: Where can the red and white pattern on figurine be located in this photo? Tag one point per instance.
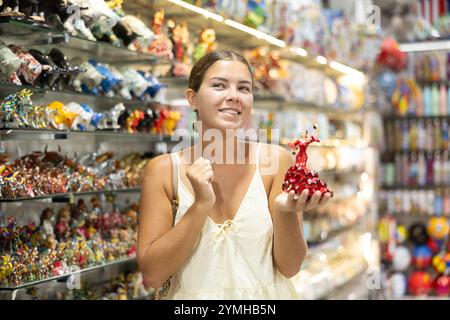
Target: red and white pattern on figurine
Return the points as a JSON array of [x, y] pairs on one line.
[[299, 177]]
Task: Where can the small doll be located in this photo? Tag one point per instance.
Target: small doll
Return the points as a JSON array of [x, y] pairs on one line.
[[299, 177]]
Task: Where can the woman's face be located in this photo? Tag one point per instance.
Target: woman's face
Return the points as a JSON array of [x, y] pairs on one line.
[[225, 98]]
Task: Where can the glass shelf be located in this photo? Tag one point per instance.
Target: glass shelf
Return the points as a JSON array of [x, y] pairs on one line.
[[66, 96], [304, 105], [413, 117], [410, 187], [25, 33], [67, 197], [49, 134], [335, 232], [61, 277]]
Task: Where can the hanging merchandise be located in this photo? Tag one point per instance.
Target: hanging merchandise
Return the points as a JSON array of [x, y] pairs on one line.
[[390, 55]]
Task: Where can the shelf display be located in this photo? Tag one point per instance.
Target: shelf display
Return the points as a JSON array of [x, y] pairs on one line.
[[415, 201], [77, 236], [49, 172], [120, 72]]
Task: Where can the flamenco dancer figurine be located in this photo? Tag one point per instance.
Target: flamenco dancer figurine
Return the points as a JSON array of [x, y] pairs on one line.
[[299, 177]]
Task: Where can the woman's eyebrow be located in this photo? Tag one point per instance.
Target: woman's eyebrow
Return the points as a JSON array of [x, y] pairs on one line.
[[225, 80]]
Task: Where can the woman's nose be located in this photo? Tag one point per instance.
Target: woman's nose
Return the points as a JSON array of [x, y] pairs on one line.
[[232, 94]]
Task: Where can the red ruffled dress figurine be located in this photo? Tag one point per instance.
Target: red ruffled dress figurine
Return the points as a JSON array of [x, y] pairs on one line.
[[299, 177]]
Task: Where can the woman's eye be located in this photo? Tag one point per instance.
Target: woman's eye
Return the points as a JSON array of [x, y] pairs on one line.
[[245, 89], [218, 85]]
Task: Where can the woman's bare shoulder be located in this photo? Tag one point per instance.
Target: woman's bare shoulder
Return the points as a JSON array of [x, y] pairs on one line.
[[158, 171]]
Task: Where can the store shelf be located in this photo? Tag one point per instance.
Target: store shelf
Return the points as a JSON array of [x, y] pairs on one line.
[[64, 276], [233, 35], [411, 187], [25, 32], [50, 134], [28, 34], [409, 151], [67, 197], [419, 46], [414, 117], [102, 102]]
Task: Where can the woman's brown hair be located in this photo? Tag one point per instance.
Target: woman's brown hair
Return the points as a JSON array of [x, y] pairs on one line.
[[200, 68]]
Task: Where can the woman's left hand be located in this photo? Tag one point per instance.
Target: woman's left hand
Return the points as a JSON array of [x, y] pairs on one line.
[[290, 202]]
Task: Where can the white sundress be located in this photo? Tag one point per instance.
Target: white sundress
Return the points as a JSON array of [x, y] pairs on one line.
[[232, 260]]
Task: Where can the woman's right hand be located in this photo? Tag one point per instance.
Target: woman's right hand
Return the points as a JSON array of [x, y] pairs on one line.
[[200, 174]]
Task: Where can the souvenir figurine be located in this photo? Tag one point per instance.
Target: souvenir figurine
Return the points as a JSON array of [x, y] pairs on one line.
[[14, 108], [299, 177], [30, 69], [141, 35], [87, 81], [50, 71], [171, 122], [63, 117], [10, 8], [179, 35], [421, 256], [146, 124], [111, 120], [32, 9], [160, 46], [62, 225], [9, 65], [206, 43], [158, 128]]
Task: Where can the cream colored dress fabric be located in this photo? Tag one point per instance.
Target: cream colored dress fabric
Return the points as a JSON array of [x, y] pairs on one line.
[[232, 260]]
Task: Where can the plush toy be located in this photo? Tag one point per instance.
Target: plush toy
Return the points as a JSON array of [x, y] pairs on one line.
[[256, 13], [147, 123], [179, 35]]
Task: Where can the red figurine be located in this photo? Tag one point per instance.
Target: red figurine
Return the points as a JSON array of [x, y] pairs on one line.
[[299, 177]]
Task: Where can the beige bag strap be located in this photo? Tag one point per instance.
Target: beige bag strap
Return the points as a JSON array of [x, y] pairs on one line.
[[174, 159]]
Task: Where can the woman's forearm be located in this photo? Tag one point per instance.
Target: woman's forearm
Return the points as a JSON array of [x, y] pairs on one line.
[[289, 244], [166, 255]]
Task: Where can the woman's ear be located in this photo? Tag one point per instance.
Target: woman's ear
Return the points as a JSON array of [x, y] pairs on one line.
[[190, 94]]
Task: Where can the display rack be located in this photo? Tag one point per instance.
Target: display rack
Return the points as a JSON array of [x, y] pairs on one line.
[[230, 34]]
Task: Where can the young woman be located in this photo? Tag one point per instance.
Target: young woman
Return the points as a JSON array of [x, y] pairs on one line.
[[237, 235]]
